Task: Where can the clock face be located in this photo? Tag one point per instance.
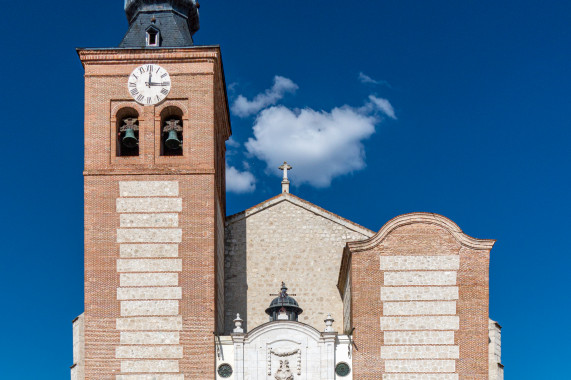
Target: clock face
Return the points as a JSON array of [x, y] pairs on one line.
[[149, 84]]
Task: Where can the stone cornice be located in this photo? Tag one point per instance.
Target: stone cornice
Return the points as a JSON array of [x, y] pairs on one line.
[[137, 171], [422, 218], [403, 220], [277, 325], [131, 55]]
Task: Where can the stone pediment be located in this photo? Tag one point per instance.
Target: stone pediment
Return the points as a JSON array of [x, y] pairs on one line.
[[308, 206]]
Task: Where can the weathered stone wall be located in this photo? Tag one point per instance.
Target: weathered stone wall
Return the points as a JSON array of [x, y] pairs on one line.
[[78, 367], [286, 239], [495, 351]]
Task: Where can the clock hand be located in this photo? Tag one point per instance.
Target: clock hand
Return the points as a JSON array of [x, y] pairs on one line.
[[150, 78]]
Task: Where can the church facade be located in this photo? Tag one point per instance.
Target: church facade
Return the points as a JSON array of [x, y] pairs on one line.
[[175, 289]]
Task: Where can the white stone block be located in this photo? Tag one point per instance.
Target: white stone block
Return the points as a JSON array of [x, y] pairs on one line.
[[429, 366], [148, 352], [149, 293], [149, 324], [418, 337], [420, 308], [149, 265], [423, 293], [135, 205], [148, 220], [149, 235], [148, 279], [148, 188], [420, 376], [150, 337], [147, 308], [148, 250], [420, 352], [420, 278], [420, 262], [153, 366], [420, 323], [150, 377]]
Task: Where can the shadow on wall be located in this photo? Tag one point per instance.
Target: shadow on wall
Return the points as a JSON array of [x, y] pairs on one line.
[[235, 275]]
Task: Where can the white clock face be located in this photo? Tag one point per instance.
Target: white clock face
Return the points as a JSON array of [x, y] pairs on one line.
[[149, 84]]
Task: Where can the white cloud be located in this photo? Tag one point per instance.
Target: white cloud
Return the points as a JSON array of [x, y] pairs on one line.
[[243, 107], [383, 105], [364, 78], [232, 143], [319, 145], [239, 182]]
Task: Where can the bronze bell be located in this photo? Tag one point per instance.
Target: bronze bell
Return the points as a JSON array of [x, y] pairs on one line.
[[172, 142], [130, 141]]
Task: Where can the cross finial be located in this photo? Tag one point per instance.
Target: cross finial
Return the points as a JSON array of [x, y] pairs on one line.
[[285, 182]]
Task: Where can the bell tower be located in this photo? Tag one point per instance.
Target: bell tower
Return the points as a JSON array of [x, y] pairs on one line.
[[156, 122]]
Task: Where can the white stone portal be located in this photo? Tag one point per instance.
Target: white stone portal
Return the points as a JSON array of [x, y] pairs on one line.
[[284, 350]]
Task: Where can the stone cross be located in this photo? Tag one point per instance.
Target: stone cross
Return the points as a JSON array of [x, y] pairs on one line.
[[285, 167], [285, 182]]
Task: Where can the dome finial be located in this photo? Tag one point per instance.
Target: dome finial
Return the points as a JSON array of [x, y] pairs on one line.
[[284, 306]]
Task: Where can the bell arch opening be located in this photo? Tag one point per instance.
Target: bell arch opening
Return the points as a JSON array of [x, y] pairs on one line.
[[172, 131], [127, 142]]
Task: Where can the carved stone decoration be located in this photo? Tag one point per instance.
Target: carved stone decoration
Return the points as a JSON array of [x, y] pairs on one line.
[[284, 373], [296, 352]]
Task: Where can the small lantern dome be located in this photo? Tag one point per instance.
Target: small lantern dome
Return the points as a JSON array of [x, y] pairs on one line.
[[284, 307]]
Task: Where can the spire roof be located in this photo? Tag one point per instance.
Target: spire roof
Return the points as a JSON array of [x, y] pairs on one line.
[[160, 23]]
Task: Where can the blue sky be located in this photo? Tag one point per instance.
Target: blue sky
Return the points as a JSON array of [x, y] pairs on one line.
[[480, 92]]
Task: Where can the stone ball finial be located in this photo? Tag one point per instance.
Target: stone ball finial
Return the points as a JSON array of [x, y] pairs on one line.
[[238, 324], [329, 323]]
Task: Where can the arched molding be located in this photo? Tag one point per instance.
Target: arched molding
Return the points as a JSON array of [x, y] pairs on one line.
[[290, 326], [118, 106], [171, 103], [422, 218]]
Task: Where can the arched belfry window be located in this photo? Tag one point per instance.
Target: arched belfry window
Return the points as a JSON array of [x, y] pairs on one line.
[[153, 36], [127, 143], [172, 137]]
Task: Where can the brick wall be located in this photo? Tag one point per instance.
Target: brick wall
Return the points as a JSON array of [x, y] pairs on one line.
[[150, 268], [419, 301]]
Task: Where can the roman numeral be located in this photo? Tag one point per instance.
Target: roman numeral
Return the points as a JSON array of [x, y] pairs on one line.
[[142, 70], [158, 98], [150, 68], [149, 100], [164, 91], [136, 77], [164, 75], [140, 97], [134, 92], [132, 84], [158, 69]]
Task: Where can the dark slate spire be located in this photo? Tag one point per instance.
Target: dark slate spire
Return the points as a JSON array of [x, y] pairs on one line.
[[160, 23]]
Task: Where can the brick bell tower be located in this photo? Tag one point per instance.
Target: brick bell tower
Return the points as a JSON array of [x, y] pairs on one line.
[[156, 122]]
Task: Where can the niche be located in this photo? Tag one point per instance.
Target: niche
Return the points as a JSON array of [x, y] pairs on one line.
[[172, 137], [127, 143]]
